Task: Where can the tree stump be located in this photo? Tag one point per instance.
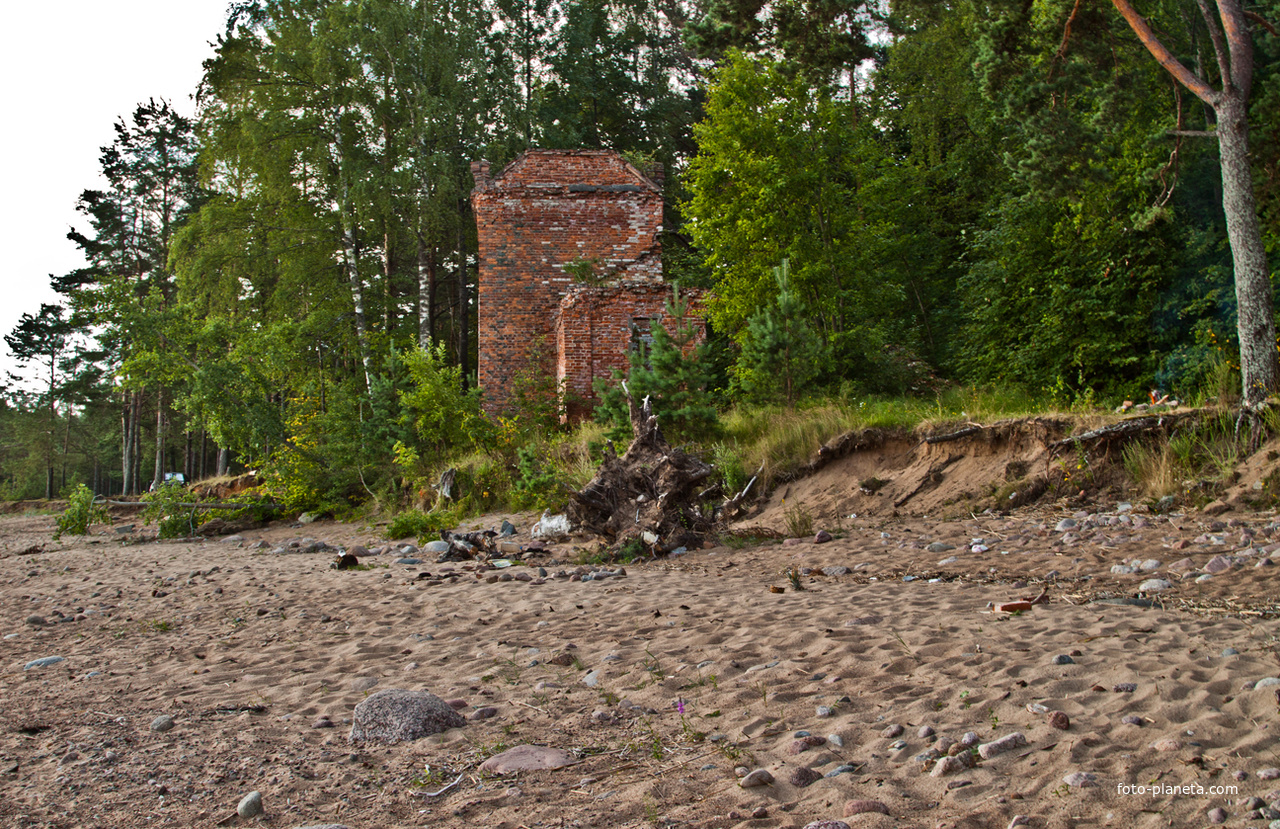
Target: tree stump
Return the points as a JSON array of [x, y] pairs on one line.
[[650, 493]]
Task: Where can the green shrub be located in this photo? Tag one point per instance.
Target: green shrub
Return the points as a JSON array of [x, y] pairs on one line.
[[80, 513], [424, 526]]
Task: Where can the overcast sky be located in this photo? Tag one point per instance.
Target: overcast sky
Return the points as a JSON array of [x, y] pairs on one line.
[[71, 69]]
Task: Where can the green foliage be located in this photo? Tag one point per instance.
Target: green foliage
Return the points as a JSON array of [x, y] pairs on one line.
[[674, 373], [423, 526], [443, 416], [81, 512], [781, 353], [174, 509]]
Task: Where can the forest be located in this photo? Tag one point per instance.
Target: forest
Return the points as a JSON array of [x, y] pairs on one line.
[[887, 198]]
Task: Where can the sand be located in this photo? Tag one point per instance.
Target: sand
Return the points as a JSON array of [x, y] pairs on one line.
[[247, 651]]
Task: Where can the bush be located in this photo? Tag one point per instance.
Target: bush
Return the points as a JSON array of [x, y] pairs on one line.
[[80, 513], [424, 526]]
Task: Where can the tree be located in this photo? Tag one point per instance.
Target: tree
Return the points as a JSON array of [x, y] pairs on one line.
[[674, 371], [781, 354], [1232, 44], [43, 337], [127, 291]]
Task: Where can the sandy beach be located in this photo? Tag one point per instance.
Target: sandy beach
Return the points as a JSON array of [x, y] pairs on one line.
[[667, 682]]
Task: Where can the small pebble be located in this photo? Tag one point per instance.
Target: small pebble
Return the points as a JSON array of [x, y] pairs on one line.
[[1132, 719], [1217, 815], [1081, 779], [892, 731], [162, 723], [1059, 720], [1063, 659], [925, 732]]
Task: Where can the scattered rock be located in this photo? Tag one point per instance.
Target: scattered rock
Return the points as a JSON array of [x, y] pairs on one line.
[[1217, 815], [1059, 720], [892, 732], [822, 537], [1269, 774], [1167, 744], [1218, 564], [1006, 743], [162, 723], [250, 805], [42, 662], [395, 715], [36, 620], [827, 824], [1132, 719], [1124, 687], [1154, 586], [528, 758], [804, 776], [484, 713], [759, 777], [862, 807], [1063, 659], [1081, 779]]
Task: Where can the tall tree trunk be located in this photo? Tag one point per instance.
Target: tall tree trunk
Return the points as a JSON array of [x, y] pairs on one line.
[[128, 427], [1255, 320], [159, 476], [351, 261], [204, 450], [224, 460], [426, 293], [1233, 48], [464, 301]]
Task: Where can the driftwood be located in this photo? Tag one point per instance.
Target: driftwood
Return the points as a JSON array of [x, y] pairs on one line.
[[650, 493], [1126, 429]]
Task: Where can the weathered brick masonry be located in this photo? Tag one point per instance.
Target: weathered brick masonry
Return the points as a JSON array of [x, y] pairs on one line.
[[546, 209]]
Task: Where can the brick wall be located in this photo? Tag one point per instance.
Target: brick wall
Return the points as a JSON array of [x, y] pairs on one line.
[[545, 209], [596, 326]]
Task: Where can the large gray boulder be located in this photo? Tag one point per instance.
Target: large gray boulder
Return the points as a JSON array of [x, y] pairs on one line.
[[397, 716]]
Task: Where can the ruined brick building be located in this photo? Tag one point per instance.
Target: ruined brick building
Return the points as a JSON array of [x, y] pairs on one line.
[[570, 257]]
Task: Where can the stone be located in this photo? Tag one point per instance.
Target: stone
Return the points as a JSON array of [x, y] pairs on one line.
[[36, 620], [42, 662], [396, 715], [528, 758], [892, 732], [1066, 524], [1216, 815], [1154, 585], [804, 777], [822, 537], [1081, 780], [1063, 659], [925, 732], [1132, 719], [484, 713], [1167, 744], [1006, 743], [1268, 682], [836, 570], [952, 764], [250, 805], [1218, 564], [162, 723], [827, 824], [1019, 820], [1268, 774], [939, 547], [1124, 687], [1059, 720], [759, 777], [862, 807]]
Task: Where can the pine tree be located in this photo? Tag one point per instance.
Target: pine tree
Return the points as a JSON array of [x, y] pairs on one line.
[[674, 372], [781, 354]]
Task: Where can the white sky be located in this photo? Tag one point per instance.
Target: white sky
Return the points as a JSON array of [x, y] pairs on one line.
[[70, 70]]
